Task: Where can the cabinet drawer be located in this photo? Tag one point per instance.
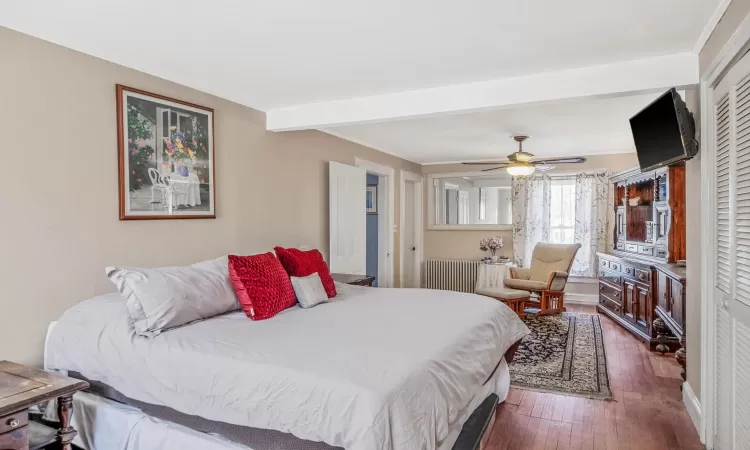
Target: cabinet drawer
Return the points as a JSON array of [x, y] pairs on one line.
[[643, 275], [15, 440], [610, 277], [14, 421], [620, 246], [660, 252], [610, 305], [631, 248], [643, 250], [615, 266], [603, 264], [610, 292]]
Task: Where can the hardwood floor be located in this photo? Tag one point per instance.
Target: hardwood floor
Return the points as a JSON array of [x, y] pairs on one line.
[[647, 411]]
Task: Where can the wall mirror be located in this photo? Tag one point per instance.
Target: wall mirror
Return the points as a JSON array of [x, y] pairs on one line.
[[469, 201]]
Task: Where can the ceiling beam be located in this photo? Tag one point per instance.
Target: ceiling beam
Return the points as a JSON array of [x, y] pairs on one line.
[[631, 77]]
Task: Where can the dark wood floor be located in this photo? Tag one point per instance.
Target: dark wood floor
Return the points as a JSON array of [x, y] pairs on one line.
[[647, 411]]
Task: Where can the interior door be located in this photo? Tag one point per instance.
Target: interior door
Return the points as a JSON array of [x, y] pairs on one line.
[[347, 213], [731, 161], [410, 244]]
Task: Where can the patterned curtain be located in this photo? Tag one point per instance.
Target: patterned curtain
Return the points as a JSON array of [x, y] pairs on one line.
[[531, 215], [592, 207]]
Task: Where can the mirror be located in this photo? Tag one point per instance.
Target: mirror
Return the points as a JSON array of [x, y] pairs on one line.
[[470, 201]]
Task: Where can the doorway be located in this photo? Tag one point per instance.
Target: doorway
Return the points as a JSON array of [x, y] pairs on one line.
[[381, 222], [411, 230]]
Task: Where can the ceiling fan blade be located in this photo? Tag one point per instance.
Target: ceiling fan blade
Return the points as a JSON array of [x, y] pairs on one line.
[[484, 163], [562, 160], [496, 168]]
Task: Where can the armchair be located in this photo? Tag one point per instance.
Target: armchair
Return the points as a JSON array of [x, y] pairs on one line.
[[547, 276]]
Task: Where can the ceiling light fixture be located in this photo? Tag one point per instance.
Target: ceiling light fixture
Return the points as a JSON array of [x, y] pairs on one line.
[[520, 169]]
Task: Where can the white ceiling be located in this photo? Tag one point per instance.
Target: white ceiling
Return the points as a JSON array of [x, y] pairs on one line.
[[281, 53], [576, 127], [268, 54]]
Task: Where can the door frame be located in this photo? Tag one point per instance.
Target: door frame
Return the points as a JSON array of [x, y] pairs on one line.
[[386, 217], [735, 48], [412, 177]]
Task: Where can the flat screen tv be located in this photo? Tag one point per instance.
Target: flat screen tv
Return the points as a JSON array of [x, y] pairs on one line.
[[664, 132]]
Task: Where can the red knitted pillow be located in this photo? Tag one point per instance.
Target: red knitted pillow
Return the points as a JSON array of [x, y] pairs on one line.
[[301, 264], [261, 284]]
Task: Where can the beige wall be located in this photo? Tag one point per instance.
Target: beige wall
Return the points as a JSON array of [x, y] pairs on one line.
[[59, 223], [452, 244], [726, 27]]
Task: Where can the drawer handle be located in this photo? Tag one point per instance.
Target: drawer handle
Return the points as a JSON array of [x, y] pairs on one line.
[[616, 294], [601, 287], [642, 276], [13, 423]]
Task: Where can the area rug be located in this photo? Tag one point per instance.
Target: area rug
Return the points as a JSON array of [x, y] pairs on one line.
[[563, 354]]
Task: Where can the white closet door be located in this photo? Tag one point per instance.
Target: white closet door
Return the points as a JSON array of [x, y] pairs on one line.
[[731, 117], [347, 213]]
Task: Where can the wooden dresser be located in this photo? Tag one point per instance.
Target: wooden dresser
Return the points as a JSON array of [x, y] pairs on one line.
[[22, 387], [640, 286]]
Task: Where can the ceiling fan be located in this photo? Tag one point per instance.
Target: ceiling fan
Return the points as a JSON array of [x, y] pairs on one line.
[[521, 163]]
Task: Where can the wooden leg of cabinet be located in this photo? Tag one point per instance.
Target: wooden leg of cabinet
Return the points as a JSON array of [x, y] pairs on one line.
[[661, 335], [681, 357]]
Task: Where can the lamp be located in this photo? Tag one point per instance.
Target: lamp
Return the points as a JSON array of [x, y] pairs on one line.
[[520, 169]]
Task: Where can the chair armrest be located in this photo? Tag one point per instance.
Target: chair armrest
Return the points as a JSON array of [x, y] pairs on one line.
[[520, 273], [557, 280]]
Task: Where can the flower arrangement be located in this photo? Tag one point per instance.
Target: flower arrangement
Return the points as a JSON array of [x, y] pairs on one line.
[[184, 148], [179, 152], [491, 244]]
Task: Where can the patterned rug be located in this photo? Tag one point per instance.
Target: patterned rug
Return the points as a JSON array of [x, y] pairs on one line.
[[564, 354]]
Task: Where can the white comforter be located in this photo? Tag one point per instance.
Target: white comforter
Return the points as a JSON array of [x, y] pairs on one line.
[[376, 369]]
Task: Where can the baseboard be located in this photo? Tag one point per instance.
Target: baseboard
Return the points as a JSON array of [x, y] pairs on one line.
[[581, 299], [693, 406]]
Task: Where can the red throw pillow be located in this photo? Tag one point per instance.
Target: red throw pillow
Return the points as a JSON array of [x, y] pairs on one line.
[[300, 263], [261, 284]]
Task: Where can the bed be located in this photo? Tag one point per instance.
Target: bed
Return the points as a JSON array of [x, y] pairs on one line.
[[374, 369]]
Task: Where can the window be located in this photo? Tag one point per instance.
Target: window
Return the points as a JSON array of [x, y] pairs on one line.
[[563, 211]]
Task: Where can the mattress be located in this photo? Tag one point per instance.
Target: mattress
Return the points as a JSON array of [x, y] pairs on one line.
[[104, 424], [374, 369]]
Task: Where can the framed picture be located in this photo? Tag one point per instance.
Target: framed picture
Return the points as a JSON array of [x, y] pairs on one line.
[[372, 199], [166, 151]]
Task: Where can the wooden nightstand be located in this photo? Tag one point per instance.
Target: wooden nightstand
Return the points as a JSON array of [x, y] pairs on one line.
[[357, 280], [22, 387]]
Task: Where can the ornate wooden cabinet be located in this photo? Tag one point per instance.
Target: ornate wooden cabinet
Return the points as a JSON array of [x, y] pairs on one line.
[[640, 286]]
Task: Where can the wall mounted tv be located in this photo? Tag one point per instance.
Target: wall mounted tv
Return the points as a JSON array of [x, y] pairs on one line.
[[664, 132]]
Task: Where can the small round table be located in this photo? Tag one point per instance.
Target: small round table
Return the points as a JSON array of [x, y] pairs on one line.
[[492, 275]]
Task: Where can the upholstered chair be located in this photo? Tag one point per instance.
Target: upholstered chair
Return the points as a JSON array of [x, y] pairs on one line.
[[547, 275]]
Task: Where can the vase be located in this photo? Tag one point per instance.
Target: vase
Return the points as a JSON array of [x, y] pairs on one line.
[[184, 171], [494, 258]]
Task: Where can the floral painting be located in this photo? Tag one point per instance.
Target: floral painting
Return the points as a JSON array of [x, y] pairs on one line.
[[166, 157]]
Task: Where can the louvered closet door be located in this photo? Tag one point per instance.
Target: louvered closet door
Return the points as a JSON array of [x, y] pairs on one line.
[[732, 269]]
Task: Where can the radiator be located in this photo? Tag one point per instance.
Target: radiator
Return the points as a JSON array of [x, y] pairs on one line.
[[451, 275]]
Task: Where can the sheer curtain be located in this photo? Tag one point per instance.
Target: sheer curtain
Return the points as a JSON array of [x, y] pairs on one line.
[[531, 215], [592, 218], [532, 218]]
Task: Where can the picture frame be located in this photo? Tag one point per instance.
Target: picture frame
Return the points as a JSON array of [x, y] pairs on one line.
[[166, 157], [371, 199]]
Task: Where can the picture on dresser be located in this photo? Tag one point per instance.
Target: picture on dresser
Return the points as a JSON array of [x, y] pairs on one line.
[[166, 157]]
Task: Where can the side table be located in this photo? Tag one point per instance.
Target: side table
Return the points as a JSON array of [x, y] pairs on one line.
[[22, 387], [356, 280]]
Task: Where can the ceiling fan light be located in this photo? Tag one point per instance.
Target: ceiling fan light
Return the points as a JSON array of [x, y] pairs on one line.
[[520, 169]]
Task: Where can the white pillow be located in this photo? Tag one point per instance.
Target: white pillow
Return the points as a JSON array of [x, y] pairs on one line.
[[309, 290], [167, 297]]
